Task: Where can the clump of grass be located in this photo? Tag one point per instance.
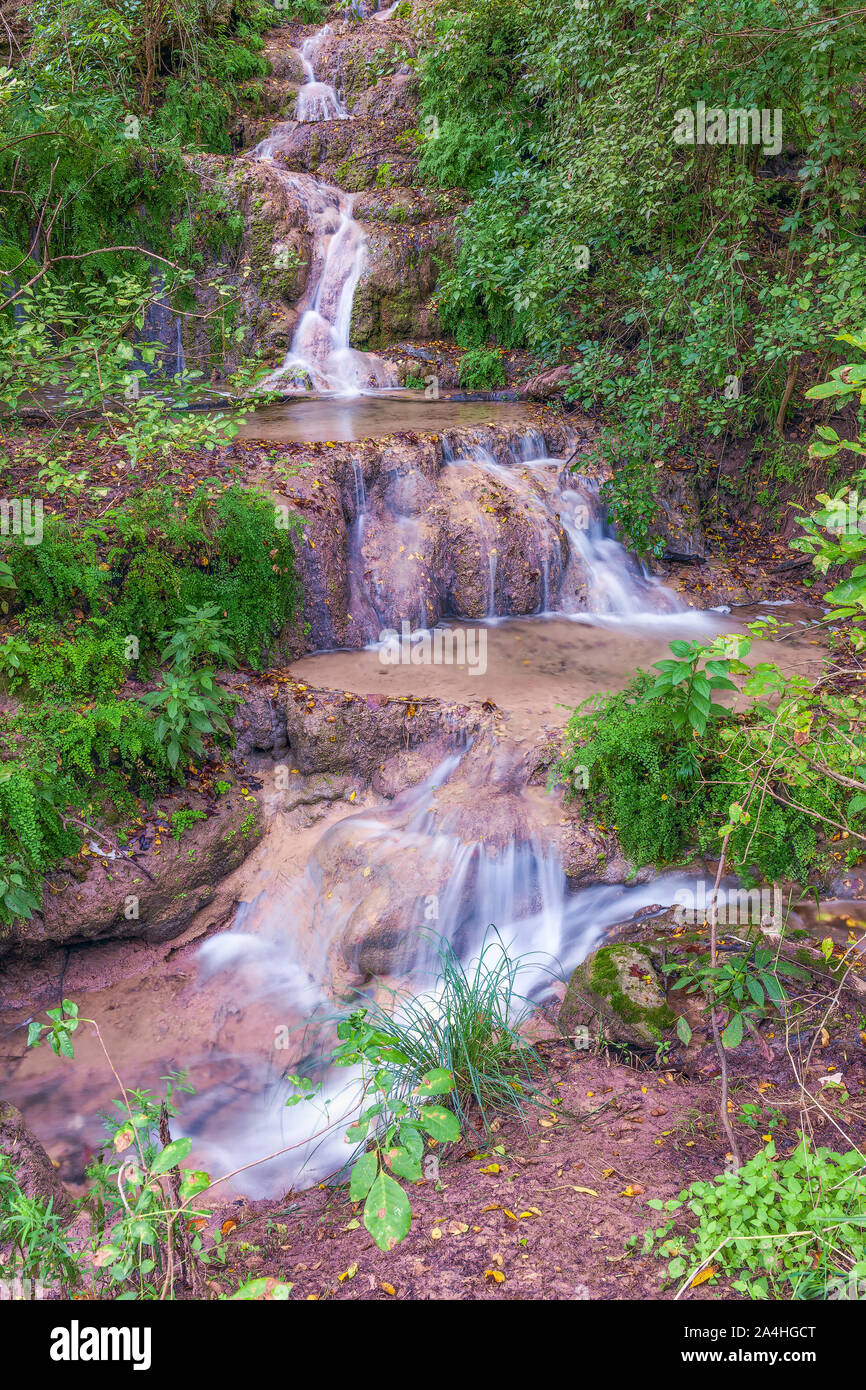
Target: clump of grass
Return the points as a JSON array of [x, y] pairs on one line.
[[469, 1023]]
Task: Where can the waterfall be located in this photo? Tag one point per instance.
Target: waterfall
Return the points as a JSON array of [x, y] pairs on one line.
[[317, 101], [320, 357], [614, 583], [445, 877]]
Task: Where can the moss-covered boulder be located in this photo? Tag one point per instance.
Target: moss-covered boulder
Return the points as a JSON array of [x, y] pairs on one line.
[[618, 988]]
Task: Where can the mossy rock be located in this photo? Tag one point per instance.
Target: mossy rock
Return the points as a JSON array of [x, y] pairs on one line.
[[621, 987]]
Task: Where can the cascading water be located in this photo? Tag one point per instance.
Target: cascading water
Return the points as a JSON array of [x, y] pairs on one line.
[[463, 851], [528, 537], [320, 357], [445, 876], [317, 101]]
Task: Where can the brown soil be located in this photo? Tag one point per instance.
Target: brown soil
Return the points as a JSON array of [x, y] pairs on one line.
[[551, 1206]]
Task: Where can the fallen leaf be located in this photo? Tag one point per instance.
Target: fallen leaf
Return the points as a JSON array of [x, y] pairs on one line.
[[388, 1288], [495, 1274], [702, 1278]]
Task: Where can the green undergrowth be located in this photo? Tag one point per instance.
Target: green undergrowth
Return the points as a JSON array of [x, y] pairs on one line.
[[778, 1227], [695, 283], [159, 592], [671, 788]]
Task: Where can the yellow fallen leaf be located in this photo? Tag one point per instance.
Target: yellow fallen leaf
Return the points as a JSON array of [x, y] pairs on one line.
[[349, 1273], [634, 1189], [228, 1226], [702, 1278], [495, 1274], [530, 1211], [491, 1168], [509, 1214], [588, 1190], [458, 1228], [436, 1233], [388, 1288]]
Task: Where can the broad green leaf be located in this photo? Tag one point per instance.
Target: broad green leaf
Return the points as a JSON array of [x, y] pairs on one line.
[[387, 1214], [193, 1182], [405, 1164], [437, 1082], [171, 1155], [440, 1123], [363, 1176]]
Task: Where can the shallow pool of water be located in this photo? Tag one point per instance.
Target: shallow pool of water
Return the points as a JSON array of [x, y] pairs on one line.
[[317, 420]]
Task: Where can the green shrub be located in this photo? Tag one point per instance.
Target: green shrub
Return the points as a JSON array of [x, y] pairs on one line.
[[640, 771], [90, 663], [481, 370], [772, 1222], [32, 1233]]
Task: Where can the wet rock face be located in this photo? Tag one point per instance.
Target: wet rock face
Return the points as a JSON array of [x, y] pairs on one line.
[[360, 58], [115, 899], [271, 269], [339, 732], [477, 524]]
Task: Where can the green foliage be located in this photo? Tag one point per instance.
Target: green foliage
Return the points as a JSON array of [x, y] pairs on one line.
[[672, 772], [162, 557], [469, 1025], [395, 1123], [773, 1222], [91, 662], [470, 82], [183, 580], [459, 1043], [182, 820], [189, 705], [96, 125], [699, 282], [197, 635], [305, 11], [687, 683], [480, 370], [744, 985], [640, 770], [836, 532], [32, 1233], [67, 760]]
